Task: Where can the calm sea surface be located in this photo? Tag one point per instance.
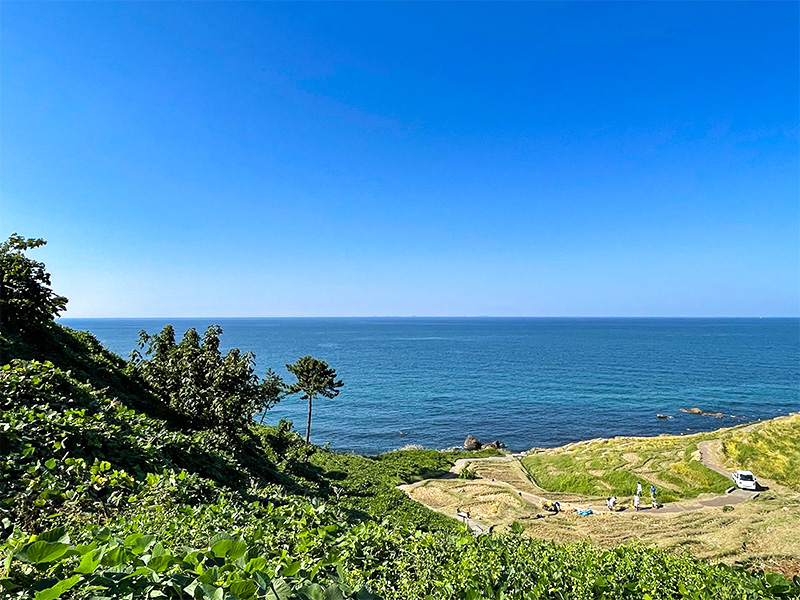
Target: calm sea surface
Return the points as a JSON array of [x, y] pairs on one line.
[[527, 382]]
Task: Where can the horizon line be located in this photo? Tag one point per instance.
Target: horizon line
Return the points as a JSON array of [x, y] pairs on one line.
[[457, 317]]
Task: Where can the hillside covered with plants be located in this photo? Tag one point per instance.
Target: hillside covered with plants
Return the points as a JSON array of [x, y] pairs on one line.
[[149, 479]]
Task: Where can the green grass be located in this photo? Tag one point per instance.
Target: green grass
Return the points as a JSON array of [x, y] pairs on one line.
[[771, 449], [614, 466]]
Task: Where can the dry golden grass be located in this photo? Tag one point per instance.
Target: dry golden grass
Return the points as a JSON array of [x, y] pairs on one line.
[[761, 532], [475, 489], [432, 497]]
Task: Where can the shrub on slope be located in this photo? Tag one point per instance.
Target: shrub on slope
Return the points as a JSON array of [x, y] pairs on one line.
[[68, 449]]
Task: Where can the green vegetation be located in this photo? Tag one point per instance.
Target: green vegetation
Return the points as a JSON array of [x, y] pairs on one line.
[[467, 473], [314, 378], [109, 491], [769, 449], [26, 300], [209, 390], [607, 467]]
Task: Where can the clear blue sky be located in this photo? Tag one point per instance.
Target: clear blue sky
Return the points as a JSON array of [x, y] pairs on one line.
[[265, 159]]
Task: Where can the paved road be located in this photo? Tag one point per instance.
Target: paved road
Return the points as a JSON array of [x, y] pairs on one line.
[[705, 458]]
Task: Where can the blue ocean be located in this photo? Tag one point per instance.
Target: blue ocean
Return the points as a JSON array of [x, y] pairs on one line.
[[524, 381]]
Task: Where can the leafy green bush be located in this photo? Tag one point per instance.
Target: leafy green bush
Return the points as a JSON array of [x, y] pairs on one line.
[[139, 566], [26, 301], [211, 390], [467, 473]]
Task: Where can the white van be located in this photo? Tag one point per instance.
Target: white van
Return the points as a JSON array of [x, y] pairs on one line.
[[745, 480]]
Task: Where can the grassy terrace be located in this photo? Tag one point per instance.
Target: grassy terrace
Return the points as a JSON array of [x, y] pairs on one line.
[[606, 467], [771, 449], [759, 533]]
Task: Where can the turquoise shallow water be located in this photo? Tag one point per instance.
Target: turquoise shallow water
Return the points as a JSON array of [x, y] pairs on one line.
[[527, 382]]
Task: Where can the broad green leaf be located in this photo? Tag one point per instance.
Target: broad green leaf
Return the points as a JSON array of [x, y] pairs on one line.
[[59, 534], [292, 569], [221, 548], [333, 592], [237, 550], [244, 588], [209, 576], [229, 548], [219, 537], [281, 588], [190, 589], [212, 591], [190, 558], [42, 552], [256, 564], [313, 591], [141, 543], [55, 592], [89, 562], [160, 563], [114, 557]]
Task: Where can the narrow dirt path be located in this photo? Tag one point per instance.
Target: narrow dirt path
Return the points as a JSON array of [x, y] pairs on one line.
[[709, 453], [708, 456]]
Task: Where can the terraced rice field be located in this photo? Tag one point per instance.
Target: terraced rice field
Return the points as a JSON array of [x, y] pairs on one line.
[[761, 533], [613, 467]]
